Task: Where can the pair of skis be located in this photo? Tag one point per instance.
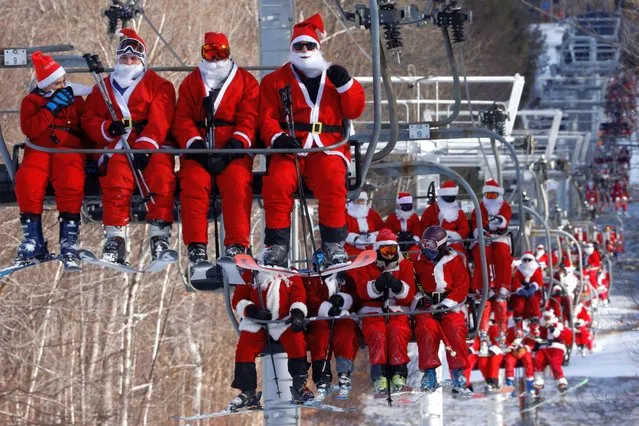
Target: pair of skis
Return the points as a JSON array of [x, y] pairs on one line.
[[166, 258], [413, 397], [68, 266], [539, 401]]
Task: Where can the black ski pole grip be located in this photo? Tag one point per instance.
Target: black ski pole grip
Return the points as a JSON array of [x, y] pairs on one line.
[[89, 60], [99, 68]]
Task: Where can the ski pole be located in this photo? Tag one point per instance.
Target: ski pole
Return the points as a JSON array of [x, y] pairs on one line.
[[210, 128], [268, 335], [447, 345], [386, 309], [95, 67]]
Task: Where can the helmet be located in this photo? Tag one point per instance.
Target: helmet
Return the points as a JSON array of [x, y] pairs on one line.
[[434, 242]]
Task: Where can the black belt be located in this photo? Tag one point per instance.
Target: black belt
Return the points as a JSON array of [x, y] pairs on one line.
[[216, 122], [73, 132], [317, 127], [437, 297], [137, 125]]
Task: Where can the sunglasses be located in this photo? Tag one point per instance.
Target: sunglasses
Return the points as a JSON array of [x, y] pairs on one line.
[[492, 195], [429, 244], [406, 207], [527, 260], [132, 46], [388, 251], [215, 52], [300, 45]]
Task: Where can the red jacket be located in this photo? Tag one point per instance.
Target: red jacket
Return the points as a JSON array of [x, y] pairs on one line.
[[505, 212], [516, 337], [357, 226], [593, 261], [371, 300], [318, 293], [238, 102], [448, 276], [39, 124], [458, 229], [280, 295], [334, 106], [398, 225], [150, 98], [556, 338], [535, 279]]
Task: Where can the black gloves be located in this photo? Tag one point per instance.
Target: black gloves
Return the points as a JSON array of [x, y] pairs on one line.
[[424, 302], [387, 280], [116, 128], [140, 161], [61, 98], [336, 300], [214, 164], [297, 321], [334, 311], [338, 75], [285, 141], [233, 144], [253, 311], [439, 311], [396, 285]]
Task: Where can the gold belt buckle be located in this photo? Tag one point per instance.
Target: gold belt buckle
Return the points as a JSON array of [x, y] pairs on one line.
[[317, 127], [128, 123]]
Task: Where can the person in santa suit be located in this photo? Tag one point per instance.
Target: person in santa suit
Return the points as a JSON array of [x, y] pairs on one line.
[[144, 103], [323, 96], [551, 352], [619, 195], [583, 322], [335, 297], [542, 257], [446, 213], [387, 285], [518, 347], [592, 263], [603, 285], [526, 288], [592, 195], [491, 364], [405, 223], [610, 238], [495, 214], [235, 107], [270, 297], [445, 282], [50, 117], [363, 223]]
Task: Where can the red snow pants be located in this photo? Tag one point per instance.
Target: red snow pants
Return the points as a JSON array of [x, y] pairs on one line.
[[472, 360], [583, 337], [391, 339], [499, 262], [552, 357], [489, 366], [234, 185], [345, 342], [526, 307], [511, 361], [325, 176], [251, 345], [451, 329], [500, 308], [119, 184], [66, 173]]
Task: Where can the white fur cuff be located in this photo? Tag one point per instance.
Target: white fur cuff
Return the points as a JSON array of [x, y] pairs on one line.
[[301, 306], [371, 290], [241, 307], [324, 308], [404, 293], [348, 301]]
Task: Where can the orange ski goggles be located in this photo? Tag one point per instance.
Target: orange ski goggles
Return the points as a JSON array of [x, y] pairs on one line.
[[215, 52], [492, 195], [388, 252]]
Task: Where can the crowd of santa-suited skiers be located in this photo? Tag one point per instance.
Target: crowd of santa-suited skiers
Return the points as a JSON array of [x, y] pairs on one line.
[[219, 98]]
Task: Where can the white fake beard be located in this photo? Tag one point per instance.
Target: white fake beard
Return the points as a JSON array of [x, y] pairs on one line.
[[493, 206], [589, 250], [402, 215], [125, 75], [357, 211], [214, 73], [527, 268], [310, 63], [540, 253], [447, 211]]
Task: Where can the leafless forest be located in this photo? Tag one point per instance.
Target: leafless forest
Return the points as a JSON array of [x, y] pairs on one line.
[[106, 348]]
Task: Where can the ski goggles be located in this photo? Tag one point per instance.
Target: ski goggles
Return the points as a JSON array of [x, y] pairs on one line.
[[300, 45], [215, 52], [406, 207], [388, 251], [491, 195], [132, 46], [360, 201], [429, 244], [526, 259]]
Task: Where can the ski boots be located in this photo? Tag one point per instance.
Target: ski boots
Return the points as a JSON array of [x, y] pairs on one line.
[[114, 249], [33, 245], [276, 255], [160, 232], [530, 387], [323, 390], [300, 393], [335, 253], [562, 385], [381, 387], [429, 381], [69, 230], [197, 253], [245, 400], [344, 383], [483, 343], [235, 249], [398, 383], [511, 382], [492, 385], [460, 388], [538, 383]]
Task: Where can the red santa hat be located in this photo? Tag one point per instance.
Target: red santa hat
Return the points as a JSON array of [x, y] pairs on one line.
[[527, 255], [491, 185], [448, 188], [311, 29], [216, 38], [404, 198], [385, 237], [47, 70], [126, 44]]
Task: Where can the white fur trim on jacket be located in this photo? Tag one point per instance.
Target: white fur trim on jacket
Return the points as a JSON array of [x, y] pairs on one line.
[[193, 139], [301, 306], [243, 136], [504, 222], [275, 137], [350, 238], [496, 350], [241, 307], [345, 87], [105, 134], [452, 235], [324, 308], [413, 304], [449, 303], [371, 290], [440, 282], [348, 301], [404, 293], [149, 140], [252, 327], [558, 345]]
